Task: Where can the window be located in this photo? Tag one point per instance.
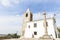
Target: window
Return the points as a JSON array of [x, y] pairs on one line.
[[26, 15], [29, 26], [35, 33], [35, 25]]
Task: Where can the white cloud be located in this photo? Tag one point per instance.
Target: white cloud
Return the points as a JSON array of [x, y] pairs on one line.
[[12, 2], [5, 2], [8, 3], [40, 1], [15, 1], [39, 15], [10, 24]]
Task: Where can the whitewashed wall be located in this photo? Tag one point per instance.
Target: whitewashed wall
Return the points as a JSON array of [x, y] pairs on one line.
[[40, 29]]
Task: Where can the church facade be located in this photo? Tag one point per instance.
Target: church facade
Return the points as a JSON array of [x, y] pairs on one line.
[[35, 28]]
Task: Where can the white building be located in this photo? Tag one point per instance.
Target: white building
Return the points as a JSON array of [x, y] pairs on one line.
[[35, 28]]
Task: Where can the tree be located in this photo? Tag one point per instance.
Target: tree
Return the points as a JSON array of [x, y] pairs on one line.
[[15, 35], [59, 32], [58, 29]]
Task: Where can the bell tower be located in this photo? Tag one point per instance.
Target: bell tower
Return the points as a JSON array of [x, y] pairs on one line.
[[27, 17]]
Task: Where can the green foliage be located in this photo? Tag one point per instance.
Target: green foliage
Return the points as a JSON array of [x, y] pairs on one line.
[[59, 32], [58, 29], [59, 35], [13, 35], [9, 36]]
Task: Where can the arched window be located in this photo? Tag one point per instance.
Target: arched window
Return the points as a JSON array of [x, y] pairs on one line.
[[26, 15]]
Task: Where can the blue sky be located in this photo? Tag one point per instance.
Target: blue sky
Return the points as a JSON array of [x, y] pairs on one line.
[[11, 12]]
